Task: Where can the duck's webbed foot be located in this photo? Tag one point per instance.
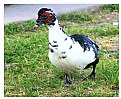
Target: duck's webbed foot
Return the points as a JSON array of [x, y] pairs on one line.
[[91, 76], [68, 80]]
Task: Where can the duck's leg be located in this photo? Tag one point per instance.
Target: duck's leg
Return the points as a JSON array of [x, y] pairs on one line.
[[92, 75], [68, 80]]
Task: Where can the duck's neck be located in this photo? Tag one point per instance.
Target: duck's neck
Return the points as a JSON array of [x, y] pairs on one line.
[[56, 33]]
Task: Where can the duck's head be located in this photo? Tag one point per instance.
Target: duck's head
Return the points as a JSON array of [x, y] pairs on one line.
[[45, 16]]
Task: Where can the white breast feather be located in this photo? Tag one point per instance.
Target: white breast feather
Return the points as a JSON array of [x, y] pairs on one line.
[[76, 59]]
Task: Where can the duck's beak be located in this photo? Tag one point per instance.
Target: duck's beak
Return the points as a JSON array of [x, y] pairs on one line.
[[35, 26], [39, 21]]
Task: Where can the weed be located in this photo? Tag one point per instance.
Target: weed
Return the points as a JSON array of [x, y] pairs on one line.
[[76, 17], [110, 7]]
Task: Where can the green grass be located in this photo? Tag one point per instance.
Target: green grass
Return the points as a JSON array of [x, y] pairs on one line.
[[110, 7], [28, 71]]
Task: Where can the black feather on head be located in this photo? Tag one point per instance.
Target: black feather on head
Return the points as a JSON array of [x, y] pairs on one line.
[[40, 12]]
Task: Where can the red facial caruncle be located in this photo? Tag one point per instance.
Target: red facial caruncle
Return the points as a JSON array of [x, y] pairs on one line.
[[48, 16]]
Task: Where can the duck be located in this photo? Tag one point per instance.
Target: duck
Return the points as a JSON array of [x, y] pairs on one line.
[[70, 53]]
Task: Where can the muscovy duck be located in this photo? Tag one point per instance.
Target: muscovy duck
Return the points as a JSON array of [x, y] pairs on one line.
[[69, 53]]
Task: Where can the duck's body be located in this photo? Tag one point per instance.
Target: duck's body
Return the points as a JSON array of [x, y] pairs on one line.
[[70, 54], [66, 53]]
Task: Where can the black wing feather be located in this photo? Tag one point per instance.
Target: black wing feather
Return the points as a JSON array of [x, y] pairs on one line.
[[86, 43]]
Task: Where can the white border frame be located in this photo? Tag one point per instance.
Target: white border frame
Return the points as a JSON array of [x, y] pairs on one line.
[[2, 2]]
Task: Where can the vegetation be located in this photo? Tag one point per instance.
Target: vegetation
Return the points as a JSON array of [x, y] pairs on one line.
[[28, 71], [110, 7]]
